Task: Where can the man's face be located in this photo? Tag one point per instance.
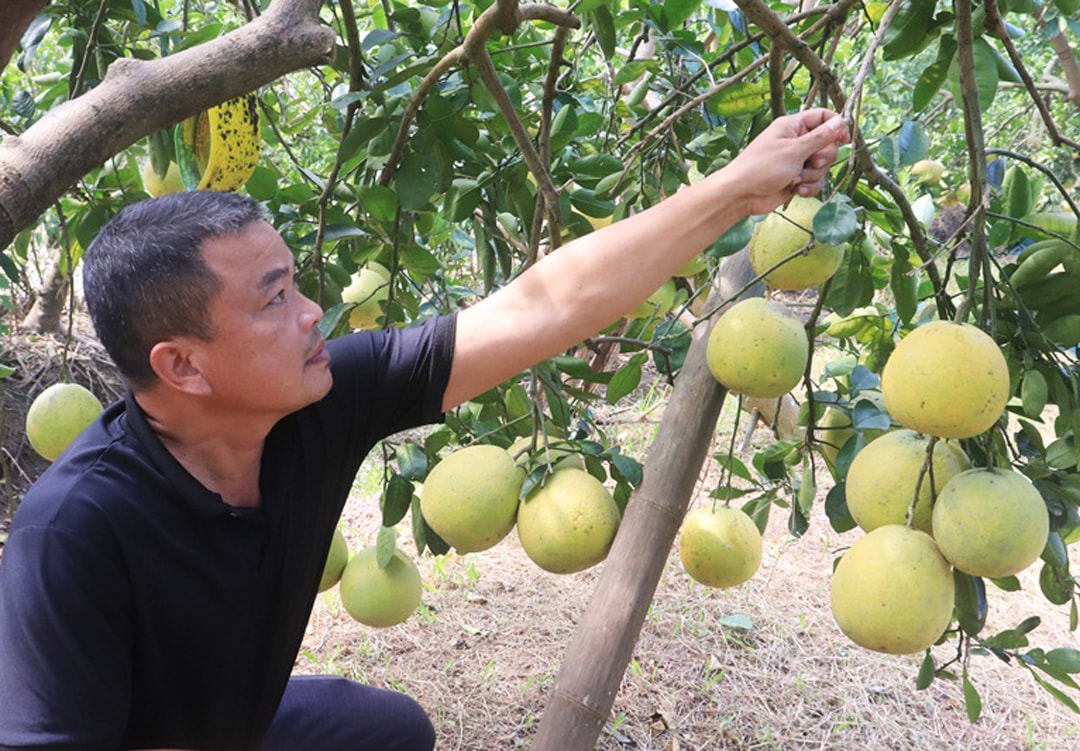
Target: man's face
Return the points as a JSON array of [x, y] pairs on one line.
[[265, 354]]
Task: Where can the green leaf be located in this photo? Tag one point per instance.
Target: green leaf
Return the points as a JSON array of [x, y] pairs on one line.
[[933, 76], [385, 546], [418, 261], [1066, 659], [1056, 692], [626, 466], [626, 379], [807, 487], [732, 241], [852, 285], [1055, 553], [678, 11], [737, 621], [905, 288], [914, 143], [926, 672], [1056, 584], [461, 200], [835, 223], [836, 508], [412, 461], [742, 98], [6, 371], [603, 24], [397, 497], [909, 31], [415, 180], [986, 74], [380, 201], [972, 701]]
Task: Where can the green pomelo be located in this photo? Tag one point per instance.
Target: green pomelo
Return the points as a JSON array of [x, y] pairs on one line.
[[758, 348], [470, 498]]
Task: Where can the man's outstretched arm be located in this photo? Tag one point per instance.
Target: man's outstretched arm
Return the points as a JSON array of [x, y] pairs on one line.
[[592, 281]]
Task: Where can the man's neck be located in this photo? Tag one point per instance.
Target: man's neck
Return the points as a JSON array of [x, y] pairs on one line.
[[224, 453]]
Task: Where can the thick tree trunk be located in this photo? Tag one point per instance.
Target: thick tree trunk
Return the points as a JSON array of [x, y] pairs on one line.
[[44, 315], [15, 16], [139, 97], [596, 660]]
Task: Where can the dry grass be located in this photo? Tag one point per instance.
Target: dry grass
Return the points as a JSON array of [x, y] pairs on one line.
[[483, 654]]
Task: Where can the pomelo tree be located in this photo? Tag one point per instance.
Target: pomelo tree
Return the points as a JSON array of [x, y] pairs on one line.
[[455, 144]]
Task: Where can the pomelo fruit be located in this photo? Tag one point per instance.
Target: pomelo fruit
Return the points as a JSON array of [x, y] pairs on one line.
[[470, 498], [369, 290], [336, 559], [376, 596], [788, 231], [719, 546], [881, 479], [569, 523], [893, 591], [57, 416], [946, 379], [990, 522], [758, 348]]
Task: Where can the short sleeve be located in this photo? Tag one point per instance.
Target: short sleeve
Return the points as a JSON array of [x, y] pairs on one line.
[[65, 667], [395, 377]]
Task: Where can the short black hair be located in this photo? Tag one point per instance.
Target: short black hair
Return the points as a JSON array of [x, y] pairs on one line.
[[145, 279]]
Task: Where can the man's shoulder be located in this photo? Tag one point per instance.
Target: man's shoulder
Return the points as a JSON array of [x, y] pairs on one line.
[[99, 474]]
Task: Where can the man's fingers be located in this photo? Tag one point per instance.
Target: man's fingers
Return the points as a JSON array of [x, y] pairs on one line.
[[830, 133]]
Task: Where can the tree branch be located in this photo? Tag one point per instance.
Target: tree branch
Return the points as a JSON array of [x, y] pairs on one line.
[[996, 25], [761, 15], [139, 97]]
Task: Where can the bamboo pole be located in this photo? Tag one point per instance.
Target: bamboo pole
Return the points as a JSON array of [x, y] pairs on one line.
[[600, 650]]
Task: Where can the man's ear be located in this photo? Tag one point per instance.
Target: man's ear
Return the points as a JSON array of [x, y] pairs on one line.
[[174, 365]]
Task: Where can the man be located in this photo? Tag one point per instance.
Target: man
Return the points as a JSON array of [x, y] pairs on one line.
[[158, 577]]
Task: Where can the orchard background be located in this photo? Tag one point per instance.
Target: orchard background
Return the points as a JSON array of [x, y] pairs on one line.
[[455, 144]]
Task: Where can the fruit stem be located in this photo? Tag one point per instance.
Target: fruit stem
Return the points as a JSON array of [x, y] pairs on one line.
[[730, 455], [927, 468]]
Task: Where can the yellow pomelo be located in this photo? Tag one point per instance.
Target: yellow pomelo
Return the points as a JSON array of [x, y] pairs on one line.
[[991, 522], [659, 303], [470, 498], [758, 348], [719, 546], [57, 416], [784, 232], [927, 171], [882, 477], [893, 591], [156, 185], [335, 561], [946, 379], [369, 290], [568, 524], [376, 596]]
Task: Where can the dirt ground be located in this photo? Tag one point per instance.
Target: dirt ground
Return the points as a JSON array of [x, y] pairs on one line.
[[761, 666]]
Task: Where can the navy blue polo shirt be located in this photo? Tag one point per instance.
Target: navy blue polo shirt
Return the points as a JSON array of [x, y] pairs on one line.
[[138, 609]]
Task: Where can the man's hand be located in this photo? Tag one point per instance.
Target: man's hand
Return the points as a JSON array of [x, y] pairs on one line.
[[792, 155]]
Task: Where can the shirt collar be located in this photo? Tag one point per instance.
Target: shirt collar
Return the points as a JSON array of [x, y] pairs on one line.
[[189, 490]]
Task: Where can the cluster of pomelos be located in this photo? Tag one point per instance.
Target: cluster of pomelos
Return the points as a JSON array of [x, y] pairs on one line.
[[925, 510], [473, 499]]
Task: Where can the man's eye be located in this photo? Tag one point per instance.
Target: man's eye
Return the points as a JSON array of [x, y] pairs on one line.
[[279, 297]]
